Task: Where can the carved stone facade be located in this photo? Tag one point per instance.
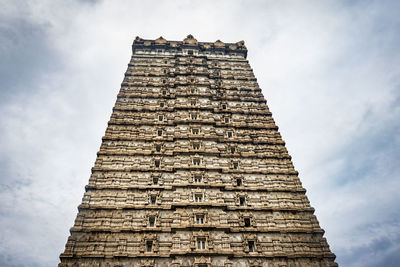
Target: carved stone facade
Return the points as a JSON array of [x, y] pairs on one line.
[[192, 170]]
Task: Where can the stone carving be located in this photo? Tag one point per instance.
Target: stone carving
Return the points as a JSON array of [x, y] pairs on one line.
[[192, 170], [160, 40], [219, 44], [190, 40]]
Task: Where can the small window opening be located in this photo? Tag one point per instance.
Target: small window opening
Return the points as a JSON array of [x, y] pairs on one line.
[[200, 219], [193, 102], [164, 92], [196, 161], [157, 163], [226, 120], [235, 165], [165, 61], [190, 52], [192, 90], [193, 116], [229, 134], [164, 81], [149, 246], [197, 178], [160, 117], [223, 106], [198, 197], [152, 221], [155, 180], [153, 200], [201, 243], [162, 104], [158, 148], [233, 149], [159, 132], [239, 182], [196, 146], [242, 201], [247, 222], [195, 130], [165, 71], [251, 246]]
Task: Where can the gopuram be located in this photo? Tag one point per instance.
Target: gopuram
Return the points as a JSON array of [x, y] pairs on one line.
[[192, 170]]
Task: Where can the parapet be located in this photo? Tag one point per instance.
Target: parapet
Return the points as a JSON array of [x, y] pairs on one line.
[[189, 46]]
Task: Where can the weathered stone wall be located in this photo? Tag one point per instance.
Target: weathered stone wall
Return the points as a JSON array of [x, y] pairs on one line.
[[192, 171]]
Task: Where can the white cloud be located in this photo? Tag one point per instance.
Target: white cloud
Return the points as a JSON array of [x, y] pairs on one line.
[[329, 71]]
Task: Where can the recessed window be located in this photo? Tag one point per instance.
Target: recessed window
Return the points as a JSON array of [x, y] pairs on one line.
[[196, 146], [193, 90], [239, 182], [242, 201], [233, 149], [160, 117], [198, 178], [193, 116], [164, 92], [251, 246], [190, 52], [193, 102], [235, 165], [223, 106], [191, 80], [164, 81], [162, 104], [158, 148], [153, 200], [155, 180], [226, 120], [159, 132], [152, 221], [165, 71], [165, 61], [229, 134], [215, 64], [157, 163], [200, 219], [196, 161], [198, 197], [247, 222], [201, 243], [149, 246], [195, 130]]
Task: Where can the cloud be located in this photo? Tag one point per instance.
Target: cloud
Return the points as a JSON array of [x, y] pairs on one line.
[[329, 71]]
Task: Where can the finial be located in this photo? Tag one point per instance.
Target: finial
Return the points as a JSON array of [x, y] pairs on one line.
[[138, 39]]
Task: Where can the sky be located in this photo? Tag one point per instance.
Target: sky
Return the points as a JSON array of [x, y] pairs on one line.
[[329, 70]]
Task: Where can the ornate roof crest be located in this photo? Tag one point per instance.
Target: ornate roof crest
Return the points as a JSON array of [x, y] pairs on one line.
[[190, 40], [218, 43], [160, 40]]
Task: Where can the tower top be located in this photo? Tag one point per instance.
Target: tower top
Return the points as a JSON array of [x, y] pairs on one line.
[[190, 43]]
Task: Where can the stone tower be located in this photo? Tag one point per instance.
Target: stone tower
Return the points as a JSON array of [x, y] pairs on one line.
[[192, 170]]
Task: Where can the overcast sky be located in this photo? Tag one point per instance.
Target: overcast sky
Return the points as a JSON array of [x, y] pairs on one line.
[[329, 70]]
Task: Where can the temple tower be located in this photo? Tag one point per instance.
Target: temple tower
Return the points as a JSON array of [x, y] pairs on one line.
[[192, 170]]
